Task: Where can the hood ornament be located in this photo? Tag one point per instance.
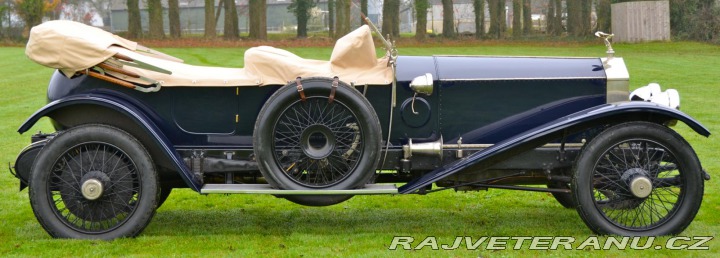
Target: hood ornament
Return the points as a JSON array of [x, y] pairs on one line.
[[610, 52]]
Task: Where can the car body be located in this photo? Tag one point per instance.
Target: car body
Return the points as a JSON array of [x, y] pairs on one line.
[[423, 123]]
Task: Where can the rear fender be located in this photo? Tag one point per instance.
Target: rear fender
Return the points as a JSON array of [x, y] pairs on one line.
[[133, 113], [600, 115]]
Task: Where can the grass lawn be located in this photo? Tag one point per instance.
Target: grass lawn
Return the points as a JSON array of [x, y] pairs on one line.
[[189, 224]]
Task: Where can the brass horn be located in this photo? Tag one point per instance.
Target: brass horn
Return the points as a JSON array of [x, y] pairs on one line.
[[427, 148]]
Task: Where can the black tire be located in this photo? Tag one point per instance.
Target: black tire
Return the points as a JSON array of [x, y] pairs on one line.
[[315, 144], [567, 200], [638, 179], [86, 157], [164, 194]]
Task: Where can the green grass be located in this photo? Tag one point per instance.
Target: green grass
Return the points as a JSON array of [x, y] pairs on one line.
[[217, 225]]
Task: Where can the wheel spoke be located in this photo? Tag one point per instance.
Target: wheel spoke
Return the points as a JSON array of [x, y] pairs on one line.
[[342, 135], [120, 193], [625, 161]]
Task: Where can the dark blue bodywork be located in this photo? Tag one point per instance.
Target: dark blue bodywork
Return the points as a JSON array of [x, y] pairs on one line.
[[514, 103]]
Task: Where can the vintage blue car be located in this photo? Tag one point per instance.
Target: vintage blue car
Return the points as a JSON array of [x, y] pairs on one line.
[[133, 123]]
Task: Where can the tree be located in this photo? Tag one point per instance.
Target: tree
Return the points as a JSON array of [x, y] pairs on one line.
[[32, 12], [603, 15], [331, 18], [517, 18], [574, 11], [448, 19], [301, 9], [479, 11], [231, 31], [578, 20], [210, 18], [527, 17], [134, 25], [554, 17], [156, 29], [585, 18], [342, 18], [3, 9], [364, 9], [502, 14], [695, 19], [174, 18], [391, 18], [497, 17], [258, 18], [421, 7]]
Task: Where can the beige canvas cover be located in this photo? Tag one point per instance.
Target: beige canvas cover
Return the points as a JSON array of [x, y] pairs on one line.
[[353, 60], [73, 47]]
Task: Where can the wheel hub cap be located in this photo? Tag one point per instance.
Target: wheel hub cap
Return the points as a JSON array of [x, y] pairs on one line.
[[317, 141], [92, 189], [641, 186], [638, 182]]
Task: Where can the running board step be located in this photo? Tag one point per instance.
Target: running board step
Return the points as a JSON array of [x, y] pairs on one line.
[[267, 189]]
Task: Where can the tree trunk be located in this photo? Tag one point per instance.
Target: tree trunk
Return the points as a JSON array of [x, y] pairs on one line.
[[174, 18], [448, 19], [527, 17], [517, 18], [390, 18], [364, 9], [331, 18], [301, 9], [134, 25], [558, 18], [220, 7], [230, 26], [492, 8], [479, 11], [497, 18], [258, 19], [421, 7], [3, 10], [603, 15], [396, 21], [550, 18], [209, 18], [585, 18], [573, 20], [155, 12], [342, 16], [502, 17]]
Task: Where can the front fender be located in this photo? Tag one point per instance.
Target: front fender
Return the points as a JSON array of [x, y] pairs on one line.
[[131, 111], [603, 114]]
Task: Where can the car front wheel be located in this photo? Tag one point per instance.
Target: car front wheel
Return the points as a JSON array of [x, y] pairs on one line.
[[93, 182], [638, 179]]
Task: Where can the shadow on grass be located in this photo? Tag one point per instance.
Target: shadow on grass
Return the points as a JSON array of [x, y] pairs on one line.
[[495, 218]]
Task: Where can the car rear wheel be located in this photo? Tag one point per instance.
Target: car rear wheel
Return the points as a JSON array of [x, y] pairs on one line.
[[93, 182], [319, 142], [638, 179]]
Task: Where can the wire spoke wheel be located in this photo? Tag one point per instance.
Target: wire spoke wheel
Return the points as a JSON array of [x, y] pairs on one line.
[[317, 143], [637, 179], [309, 142], [621, 190], [93, 181], [115, 199]]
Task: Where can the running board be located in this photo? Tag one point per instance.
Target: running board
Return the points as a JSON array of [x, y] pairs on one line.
[[267, 189]]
